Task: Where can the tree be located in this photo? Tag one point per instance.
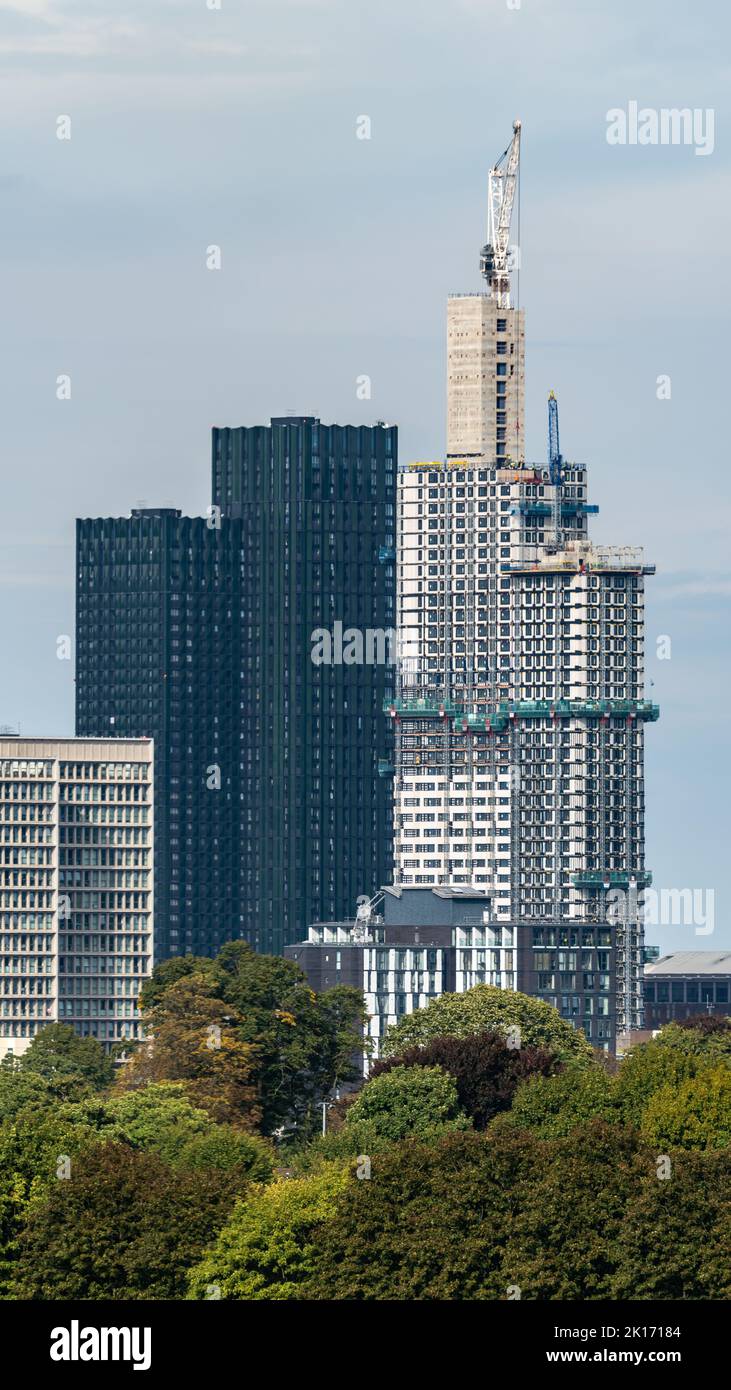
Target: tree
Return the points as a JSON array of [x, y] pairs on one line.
[[160, 1119], [57, 1052], [246, 1156], [693, 1115], [306, 1044], [15, 1195], [19, 1089], [168, 972], [675, 1238], [123, 1226], [36, 1144], [157, 1117], [704, 1035], [487, 1072], [561, 1241], [300, 1045], [268, 1248], [488, 1009], [551, 1106], [414, 1102], [430, 1223], [195, 1040], [668, 1060]]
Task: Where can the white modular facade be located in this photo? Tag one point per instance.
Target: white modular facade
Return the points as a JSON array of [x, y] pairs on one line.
[[76, 886]]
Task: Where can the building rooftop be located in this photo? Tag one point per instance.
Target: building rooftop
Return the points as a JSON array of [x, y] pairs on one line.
[[112, 739], [692, 963], [440, 891]]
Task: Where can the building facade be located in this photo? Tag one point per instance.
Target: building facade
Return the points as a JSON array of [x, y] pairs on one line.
[[485, 378], [684, 984], [76, 886], [229, 640], [519, 713], [423, 942]]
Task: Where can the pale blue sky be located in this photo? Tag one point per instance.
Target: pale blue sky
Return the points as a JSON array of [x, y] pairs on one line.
[[237, 127]]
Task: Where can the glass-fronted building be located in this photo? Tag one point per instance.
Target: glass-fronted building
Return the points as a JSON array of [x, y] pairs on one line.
[[254, 645]]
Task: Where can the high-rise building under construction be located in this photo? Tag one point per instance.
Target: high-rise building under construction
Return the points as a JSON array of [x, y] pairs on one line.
[[519, 711]]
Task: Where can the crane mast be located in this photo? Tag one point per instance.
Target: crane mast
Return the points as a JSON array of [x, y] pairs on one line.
[[495, 255], [555, 464]]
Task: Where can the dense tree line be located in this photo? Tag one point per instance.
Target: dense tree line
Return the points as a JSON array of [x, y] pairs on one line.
[[489, 1155]]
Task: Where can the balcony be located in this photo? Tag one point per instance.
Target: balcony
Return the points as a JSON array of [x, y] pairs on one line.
[[508, 711], [613, 878]]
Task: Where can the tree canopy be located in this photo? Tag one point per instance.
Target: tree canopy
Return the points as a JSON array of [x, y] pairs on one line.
[[407, 1101], [124, 1225], [195, 1040], [693, 1115], [485, 1008], [279, 1051], [551, 1106], [491, 1151], [267, 1250], [486, 1071], [58, 1054]]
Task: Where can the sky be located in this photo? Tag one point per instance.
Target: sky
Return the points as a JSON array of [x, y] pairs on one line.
[[196, 125]]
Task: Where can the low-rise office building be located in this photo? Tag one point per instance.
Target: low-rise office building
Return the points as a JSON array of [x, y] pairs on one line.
[[685, 983], [411, 944]]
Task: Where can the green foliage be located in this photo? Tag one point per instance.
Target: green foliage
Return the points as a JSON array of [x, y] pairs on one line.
[[169, 972], [693, 1115], [578, 1218], [19, 1089], [486, 1071], [291, 1046], [34, 1145], [123, 1226], [551, 1106], [197, 1042], [158, 1117], [702, 1035], [247, 1156], [413, 1102], [305, 1043], [268, 1248], [668, 1060], [489, 1009], [675, 1240], [490, 1165], [430, 1224], [58, 1052], [567, 1219], [34, 1141], [16, 1193]]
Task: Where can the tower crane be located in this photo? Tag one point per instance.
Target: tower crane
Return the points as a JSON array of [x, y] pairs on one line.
[[555, 464], [494, 257], [364, 914]]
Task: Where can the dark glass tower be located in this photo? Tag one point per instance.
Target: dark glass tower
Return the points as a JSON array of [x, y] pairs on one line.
[[272, 773]]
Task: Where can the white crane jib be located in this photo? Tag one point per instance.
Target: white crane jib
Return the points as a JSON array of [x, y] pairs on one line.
[[495, 255]]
